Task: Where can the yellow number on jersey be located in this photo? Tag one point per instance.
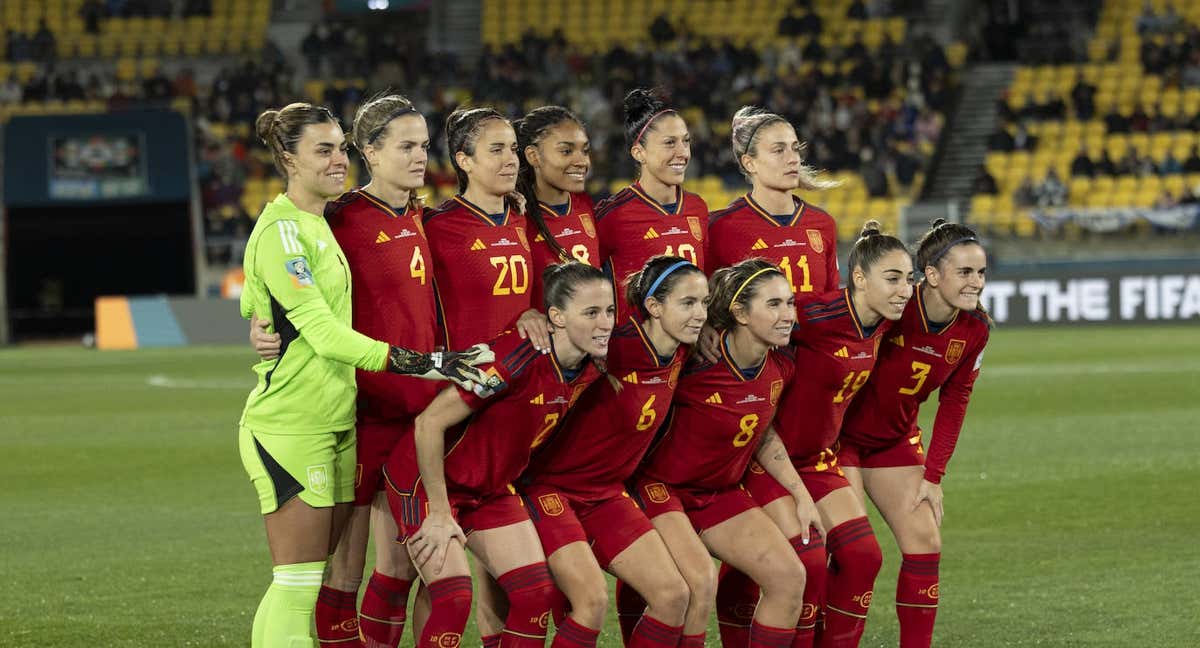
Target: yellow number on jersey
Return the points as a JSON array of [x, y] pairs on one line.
[[746, 430], [416, 267], [826, 460], [547, 426], [515, 270], [853, 383], [922, 372], [580, 252], [648, 417], [685, 251], [801, 265]]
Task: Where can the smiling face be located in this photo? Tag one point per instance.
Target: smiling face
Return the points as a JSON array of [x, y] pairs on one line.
[[587, 318], [684, 310], [492, 169], [771, 312], [959, 275], [665, 150], [319, 164], [776, 161], [399, 155], [887, 286], [562, 158]]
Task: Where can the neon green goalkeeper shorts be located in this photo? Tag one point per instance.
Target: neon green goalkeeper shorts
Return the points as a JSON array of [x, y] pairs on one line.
[[317, 467]]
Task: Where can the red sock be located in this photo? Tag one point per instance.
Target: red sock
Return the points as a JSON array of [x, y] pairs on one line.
[[737, 597], [384, 611], [814, 559], [917, 599], [490, 641], [560, 607], [530, 592], [450, 605], [691, 641], [573, 635], [630, 607], [336, 617], [652, 633], [854, 562], [765, 636]]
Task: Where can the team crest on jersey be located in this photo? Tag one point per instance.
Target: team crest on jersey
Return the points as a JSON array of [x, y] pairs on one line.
[[815, 241], [673, 379], [551, 504], [657, 492], [776, 390], [694, 225], [589, 227], [318, 479], [300, 272], [954, 351], [521, 237]]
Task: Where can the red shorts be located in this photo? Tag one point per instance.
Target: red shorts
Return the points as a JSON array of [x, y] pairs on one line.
[[473, 513], [376, 440], [905, 452], [820, 474], [705, 508], [610, 525]]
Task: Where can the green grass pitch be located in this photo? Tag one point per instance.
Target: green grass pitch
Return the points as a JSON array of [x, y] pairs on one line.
[[1071, 512]]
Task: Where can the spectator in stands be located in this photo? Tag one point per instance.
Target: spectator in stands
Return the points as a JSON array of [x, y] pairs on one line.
[[661, 30], [1105, 166], [10, 91], [1115, 121], [1147, 21], [1083, 98], [312, 47], [1170, 165], [1133, 163], [1165, 200], [1139, 121], [43, 43], [857, 10], [985, 183], [1189, 77], [1192, 163], [1025, 195], [905, 164], [91, 11], [1023, 140], [1082, 164], [791, 24], [872, 174], [1001, 140], [811, 24], [1051, 192], [19, 48]]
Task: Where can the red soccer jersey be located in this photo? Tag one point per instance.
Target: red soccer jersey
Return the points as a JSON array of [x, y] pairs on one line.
[[634, 227], [916, 358], [608, 432], [574, 230], [486, 453], [836, 355], [484, 267], [717, 420], [804, 246], [392, 295]]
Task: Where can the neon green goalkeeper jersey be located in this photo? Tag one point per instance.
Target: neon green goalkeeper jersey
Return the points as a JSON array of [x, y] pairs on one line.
[[297, 275]]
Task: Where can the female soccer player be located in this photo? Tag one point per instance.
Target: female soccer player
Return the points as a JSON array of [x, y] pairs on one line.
[[770, 221], [654, 215], [837, 340], [575, 487], [479, 243], [690, 484], [937, 346], [436, 493], [297, 430], [555, 160]]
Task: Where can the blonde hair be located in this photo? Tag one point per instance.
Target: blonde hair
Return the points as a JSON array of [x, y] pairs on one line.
[[747, 122]]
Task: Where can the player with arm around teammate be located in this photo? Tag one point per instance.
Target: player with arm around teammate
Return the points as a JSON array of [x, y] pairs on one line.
[[938, 345], [296, 435], [690, 485], [449, 484]]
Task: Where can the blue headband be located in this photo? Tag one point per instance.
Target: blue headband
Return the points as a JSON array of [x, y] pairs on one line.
[[939, 255], [658, 282]]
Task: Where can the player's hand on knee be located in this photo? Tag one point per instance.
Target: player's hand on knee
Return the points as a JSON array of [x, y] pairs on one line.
[[265, 344], [535, 327], [809, 517], [709, 344], [431, 542], [932, 493]]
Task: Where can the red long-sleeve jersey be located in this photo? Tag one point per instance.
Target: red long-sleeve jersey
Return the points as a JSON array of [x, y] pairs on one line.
[[574, 230], [804, 245]]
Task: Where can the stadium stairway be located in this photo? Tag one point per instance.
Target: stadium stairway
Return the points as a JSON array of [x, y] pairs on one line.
[[975, 118], [455, 26]]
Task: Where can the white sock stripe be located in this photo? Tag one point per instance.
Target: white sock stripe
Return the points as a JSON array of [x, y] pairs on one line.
[[288, 579]]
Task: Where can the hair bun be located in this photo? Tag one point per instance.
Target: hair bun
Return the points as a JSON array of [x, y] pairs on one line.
[[640, 103], [264, 126], [870, 228], [936, 223]]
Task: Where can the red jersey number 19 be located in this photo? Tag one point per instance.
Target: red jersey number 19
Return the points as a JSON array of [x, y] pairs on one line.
[[852, 383]]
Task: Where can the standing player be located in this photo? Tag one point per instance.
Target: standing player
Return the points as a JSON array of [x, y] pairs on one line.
[[433, 490], [575, 488], [937, 346], [690, 484], [837, 340], [297, 430], [654, 215], [555, 160], [478, 240], [770, 221]]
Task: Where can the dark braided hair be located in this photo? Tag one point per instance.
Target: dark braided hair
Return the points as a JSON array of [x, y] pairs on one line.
[[530, 130]]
